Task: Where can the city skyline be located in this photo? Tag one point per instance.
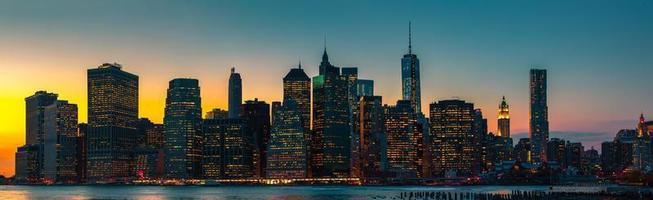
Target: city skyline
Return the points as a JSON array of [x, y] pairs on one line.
[[212, 79]]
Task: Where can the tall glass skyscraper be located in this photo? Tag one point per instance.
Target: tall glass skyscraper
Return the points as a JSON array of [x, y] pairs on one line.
[[235, 94], [182, 129], [112, 117], [331, 139], [539, 121], [410, 82]]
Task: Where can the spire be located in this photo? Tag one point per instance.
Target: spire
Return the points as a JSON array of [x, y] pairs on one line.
[[325, 57], [300, 64], [641, 118], [410, 42], [233, 69]]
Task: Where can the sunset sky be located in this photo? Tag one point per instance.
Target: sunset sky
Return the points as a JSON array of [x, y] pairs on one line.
[[599, 54]]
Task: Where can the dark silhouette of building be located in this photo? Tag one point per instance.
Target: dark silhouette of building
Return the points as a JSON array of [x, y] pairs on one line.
[[287, 151], [556, 151], [217, 113], [330, 141], [410, 80], [257, 116], [452, 138], [182, 129], [112, 114], [29, 158], [235, 93], [523, 151], [373, 143], [149, 152], [539, 120]]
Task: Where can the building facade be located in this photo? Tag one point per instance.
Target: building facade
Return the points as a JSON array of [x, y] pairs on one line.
[[235, 94], [287, 151], [112, 115], [60, 143], [257, 116], [539, 120], [503, 120], [452, 138], [182, 129], [373, 143]]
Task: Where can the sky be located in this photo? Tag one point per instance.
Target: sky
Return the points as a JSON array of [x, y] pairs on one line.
[[598, 54]]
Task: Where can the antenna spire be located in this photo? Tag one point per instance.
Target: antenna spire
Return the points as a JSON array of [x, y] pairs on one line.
[[410, 42]]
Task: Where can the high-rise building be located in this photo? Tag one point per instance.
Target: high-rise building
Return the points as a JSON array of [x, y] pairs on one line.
[[82, 129], [235, 93], [257, 116], [410, 81], [482, 162], [351, 74], [503, 120], [642, 147], [297, 87], [373, 144], [29, 158], [182, 129], [573, 154], [452, 138], [402, 134], [227, 150], [60, 142], [112, 115], [539, 120], [331, 138], [287, 151]]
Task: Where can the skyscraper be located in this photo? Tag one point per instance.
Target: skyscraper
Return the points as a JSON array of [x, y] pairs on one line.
[[257, 116], [182, 129], [297, 87], [227, 150], [503, 120], [331, 140], [402, 134], [410, 82], [235, 93], [539, 121], [29, 158], [452, 138], [287, 151], [373, 144], [364, 87], [60, 142], [112, 113]]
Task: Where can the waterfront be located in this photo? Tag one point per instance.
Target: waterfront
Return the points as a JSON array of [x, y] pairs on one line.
[[240, 192]]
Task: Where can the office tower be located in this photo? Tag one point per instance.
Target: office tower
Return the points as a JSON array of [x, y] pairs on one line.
[[452, 138], [351, 74], [60, 142], [235, 93], [364, 87], [287, 152], [297, 87], [149, 152], [402, 134], [331, 140], [112, 113], [503, 120], [182, 129], [539, 121], [373, 144], [257, 116], [217, 113], [35, 106], [501, 149], [410, 81], [523, 151], [29, 158], [227, 151], [573, 154], [555, 152]]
